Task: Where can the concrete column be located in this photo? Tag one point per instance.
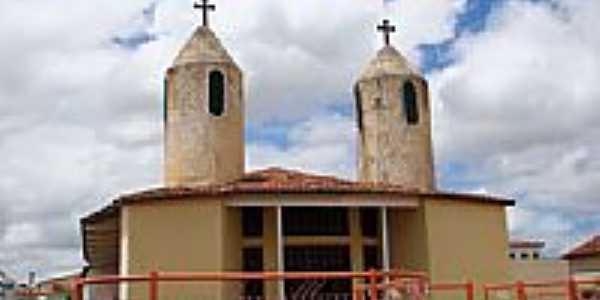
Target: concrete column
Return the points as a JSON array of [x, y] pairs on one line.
[[270, 249], [385, 244], [356, 241], [280, 254]]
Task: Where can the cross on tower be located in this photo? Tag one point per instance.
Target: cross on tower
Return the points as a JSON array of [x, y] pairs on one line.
[[386, 28], [205, 7]]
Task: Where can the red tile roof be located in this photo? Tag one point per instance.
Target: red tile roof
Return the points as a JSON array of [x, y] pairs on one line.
[[588, 248], [273, 180], [281, 181]]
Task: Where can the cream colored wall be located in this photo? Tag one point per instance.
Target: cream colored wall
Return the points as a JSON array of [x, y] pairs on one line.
[[183, 236], [584, 265], [539, 270], [408, 246], [467, 241]]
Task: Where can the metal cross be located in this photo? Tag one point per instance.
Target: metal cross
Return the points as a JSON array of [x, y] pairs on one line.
[[205, 7], [386, 28]]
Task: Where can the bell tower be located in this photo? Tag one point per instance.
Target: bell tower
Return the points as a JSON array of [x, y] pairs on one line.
[[394, 121], [203, 112]]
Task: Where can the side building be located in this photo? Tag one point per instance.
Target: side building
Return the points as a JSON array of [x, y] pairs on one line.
[[528, 262], [584, 259], [8, 286]]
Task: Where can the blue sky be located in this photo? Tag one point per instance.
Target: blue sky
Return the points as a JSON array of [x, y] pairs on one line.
[[84, 88]]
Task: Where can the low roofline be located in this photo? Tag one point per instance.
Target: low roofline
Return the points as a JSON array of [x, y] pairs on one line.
[[278, 181], [590, 247], [143, 197], [527, 244]]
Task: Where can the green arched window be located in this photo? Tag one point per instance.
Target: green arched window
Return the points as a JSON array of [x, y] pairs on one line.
[[216, 93], [411, 107]]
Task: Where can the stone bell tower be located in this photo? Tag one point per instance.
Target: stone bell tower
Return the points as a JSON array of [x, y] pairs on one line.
[[203, 112], [394, 121]]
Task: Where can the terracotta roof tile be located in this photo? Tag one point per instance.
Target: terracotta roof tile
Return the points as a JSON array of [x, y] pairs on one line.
[[589, 248], [282, 181], [273, 180]]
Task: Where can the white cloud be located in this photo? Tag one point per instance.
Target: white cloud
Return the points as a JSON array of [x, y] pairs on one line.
[[80, 117], [520, 110], [324, 144]]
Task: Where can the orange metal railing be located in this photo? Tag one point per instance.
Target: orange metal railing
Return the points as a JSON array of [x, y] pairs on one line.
[[419, 288], [570, 288], [373, 278]]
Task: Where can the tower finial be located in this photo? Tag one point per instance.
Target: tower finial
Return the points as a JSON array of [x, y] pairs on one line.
[[205, 7], [386, 28]]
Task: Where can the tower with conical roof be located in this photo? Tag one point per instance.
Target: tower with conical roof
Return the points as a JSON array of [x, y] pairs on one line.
[[203, 112], [394, 121]]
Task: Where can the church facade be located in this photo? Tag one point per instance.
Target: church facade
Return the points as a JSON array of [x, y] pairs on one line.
[[212, 215]]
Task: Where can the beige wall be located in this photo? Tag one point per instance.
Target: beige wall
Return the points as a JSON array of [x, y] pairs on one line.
[[467, 241], [182, 236], [580, 266], [539, 270], [408, 246]]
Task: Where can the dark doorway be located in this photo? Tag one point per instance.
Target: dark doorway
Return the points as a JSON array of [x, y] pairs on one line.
[[253, 262]]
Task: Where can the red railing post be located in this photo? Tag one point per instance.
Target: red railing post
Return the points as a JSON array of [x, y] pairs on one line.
[[572, 290], [470, 290], [422, 288], [373, 284], [521, 294], [486, 292], [76, 289], [357, 293], [153, 284]]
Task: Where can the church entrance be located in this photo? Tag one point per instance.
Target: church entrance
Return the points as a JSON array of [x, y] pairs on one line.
[[317, 258], [317, 239], [309, 239]]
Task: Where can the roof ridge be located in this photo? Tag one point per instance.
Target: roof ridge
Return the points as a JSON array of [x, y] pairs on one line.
[[589, 246]]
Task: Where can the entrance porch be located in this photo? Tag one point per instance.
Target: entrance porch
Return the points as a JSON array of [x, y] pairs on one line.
[[293, 236]]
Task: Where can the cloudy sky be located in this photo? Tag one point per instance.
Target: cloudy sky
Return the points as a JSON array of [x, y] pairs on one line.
[[515, 85]]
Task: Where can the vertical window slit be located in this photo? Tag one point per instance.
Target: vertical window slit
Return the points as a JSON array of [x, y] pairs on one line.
[[216, 93], [411, 109]]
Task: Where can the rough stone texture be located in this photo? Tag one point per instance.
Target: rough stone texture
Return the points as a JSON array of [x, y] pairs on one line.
[[199, 147], [390, 149]]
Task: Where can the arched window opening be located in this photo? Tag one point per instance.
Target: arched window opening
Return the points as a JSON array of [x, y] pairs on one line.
[[165, 99], [411, 109], [216, 93], [358, 108]]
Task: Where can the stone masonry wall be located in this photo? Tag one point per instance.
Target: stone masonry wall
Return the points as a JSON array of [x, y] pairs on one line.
[[200, 147], [390, 149]]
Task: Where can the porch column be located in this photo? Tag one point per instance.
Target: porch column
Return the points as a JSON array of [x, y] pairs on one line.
[[270, 250], [280, 254], [356, 242], [385, 244]]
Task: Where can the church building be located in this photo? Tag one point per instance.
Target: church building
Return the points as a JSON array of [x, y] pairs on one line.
[[211, 214]]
